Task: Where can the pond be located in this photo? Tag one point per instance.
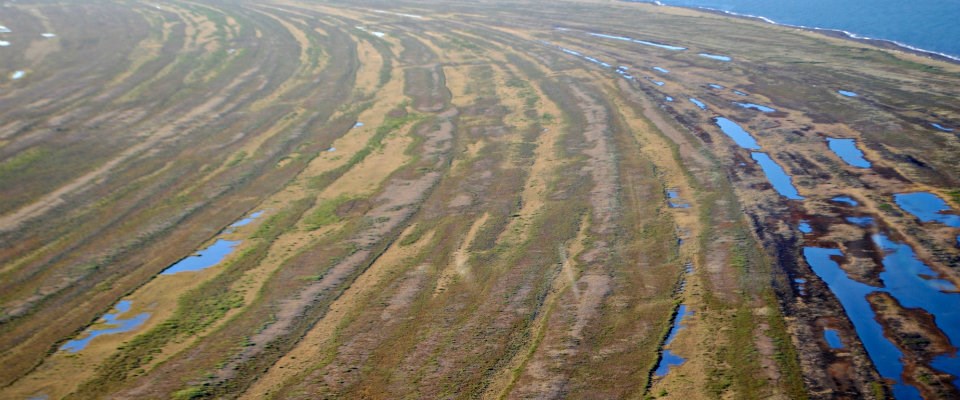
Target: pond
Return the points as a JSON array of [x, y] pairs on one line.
[[848, 151], [779, 178], [739, 135]]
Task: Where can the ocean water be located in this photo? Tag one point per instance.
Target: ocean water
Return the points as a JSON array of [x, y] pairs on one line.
[[930, 25]]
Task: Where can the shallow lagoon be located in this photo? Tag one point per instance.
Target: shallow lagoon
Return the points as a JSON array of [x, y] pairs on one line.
[[737, 133], [848, 151], [781, 182]]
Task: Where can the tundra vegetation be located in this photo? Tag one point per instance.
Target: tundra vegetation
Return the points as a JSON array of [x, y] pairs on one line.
[[460, 200]]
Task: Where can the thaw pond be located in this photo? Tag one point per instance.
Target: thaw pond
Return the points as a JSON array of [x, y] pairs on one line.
[[927, 207], [17, 75], [668, 98], [698, 103], [114, 324], [737, 133], [847, 93], [206, 258], [853, 298], [669, 359], [805, 227], [659, 69], [739, 93], [673, 199], [658, 83], [212, 255], [643, 42], [862, 222], [715, 57], [757, 107], [941, 127], [845, 200], [715, 86], [781, 182], [48, 35], [4, 43], [247, 220], [833, 338], [848, 151]]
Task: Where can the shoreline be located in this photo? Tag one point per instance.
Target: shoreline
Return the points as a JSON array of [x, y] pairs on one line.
[[886, 44]]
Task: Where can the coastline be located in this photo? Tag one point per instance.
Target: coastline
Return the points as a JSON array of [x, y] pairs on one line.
[[835, 33]]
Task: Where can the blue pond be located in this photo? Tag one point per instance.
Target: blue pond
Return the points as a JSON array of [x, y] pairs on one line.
[[833, 338], [847, 93], [715, 57], [715, 86], [848, 151], [206, 258], [674, 200], [805, 227], [941, 127], [658, 83], [781, 182], [860, 221], [737, 133], [643, 42], [698, 103], [358, 124], [669, 359], [659, 69], [668, 98], [927, 207], [114, 325], [247, 220], [739, 93], [756, 107], [845, 200], [853, 298]]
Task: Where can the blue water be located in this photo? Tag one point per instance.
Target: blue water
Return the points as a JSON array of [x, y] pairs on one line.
[[715, 57], [247, 220], [643, 42], [833, 338], [847, 150], [847, 93], [737, 133], [659, 69], [853, 298], [658, 83], [669, 359], [756, 107], [927, 207], [739, 93], [805, 227], [860, 221], [942, 128], [698, 103], [715, 86], [668, 98], [206, 258], [926, 24], [673, 200], [114, 325], [781, 182], [846, 200]]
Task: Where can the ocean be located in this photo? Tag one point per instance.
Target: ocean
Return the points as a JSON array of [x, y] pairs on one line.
[[929, 25]]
